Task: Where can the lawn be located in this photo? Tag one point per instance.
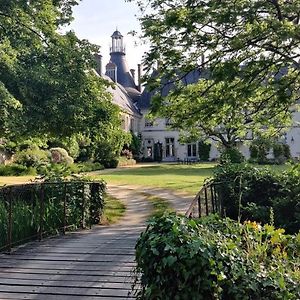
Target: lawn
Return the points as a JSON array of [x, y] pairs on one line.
[[185, 178], [9, 180]]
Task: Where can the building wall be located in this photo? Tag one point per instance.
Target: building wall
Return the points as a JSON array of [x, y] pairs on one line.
[[159, 132], [130, 122], [292, 137]]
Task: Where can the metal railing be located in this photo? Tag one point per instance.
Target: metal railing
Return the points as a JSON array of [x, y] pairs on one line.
[[208, 200], [32, 211]]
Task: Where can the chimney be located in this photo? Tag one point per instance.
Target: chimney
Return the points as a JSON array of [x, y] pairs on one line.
[[132, 71], [98, 60], [139, 77]]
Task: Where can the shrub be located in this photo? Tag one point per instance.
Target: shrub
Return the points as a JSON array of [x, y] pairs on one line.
[[16, 170], [232, 155], [248, 192], [60, 155], [281, 153], [204, 150], [32, 157], [90, 166], [179, 258], [123, 161], [135, 145], [259, 150]]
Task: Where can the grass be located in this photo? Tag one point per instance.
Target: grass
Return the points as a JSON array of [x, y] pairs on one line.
[[181, 178], [9, 180], [185, 178], [160, 205], [114, 210]]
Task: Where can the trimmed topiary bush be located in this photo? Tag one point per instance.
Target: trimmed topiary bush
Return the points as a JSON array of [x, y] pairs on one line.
[[60, 155]]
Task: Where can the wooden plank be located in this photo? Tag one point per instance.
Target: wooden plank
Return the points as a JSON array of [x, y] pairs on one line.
[[57, 277], [64, 291], [68, 272], [66, 284], [74, 267], [22, 296]]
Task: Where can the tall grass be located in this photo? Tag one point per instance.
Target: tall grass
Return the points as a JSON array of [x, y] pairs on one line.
[[64, 206]]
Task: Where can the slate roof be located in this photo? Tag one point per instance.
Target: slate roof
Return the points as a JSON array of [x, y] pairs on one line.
[[122, 98], [123, 73], [117, 33], [191, 77]]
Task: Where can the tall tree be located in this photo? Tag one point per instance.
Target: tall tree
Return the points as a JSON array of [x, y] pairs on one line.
[[248, 51], [45, 82]]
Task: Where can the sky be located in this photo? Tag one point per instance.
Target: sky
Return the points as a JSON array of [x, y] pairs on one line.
[[96, 20]]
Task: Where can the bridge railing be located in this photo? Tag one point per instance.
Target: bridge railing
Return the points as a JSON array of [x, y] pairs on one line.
[[32, 211], [208, 200]]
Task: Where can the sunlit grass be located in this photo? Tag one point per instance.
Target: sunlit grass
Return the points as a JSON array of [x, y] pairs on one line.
[[9, 180], [185, 178], [182, 178], [160, 205], [114, 210]]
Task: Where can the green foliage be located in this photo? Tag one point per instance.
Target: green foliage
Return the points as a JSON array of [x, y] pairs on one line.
[[179, 258], [88, 167], [16, 170], [281, 152], [60, 155], [70, 144], [47, 86], [135, 145], [229, 101], [204, 150], [250, 193], [232, 155], [260, 148], [108, 147], [32, 157], [81, 195]]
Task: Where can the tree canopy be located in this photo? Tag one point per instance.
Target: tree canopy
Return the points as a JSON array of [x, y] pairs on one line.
[[248, 51], [46, 85]]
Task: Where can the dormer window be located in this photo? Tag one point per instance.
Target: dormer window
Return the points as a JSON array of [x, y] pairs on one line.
[[148, 123], [169, 122]]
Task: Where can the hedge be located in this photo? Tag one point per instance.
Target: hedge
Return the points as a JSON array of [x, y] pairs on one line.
[[210, 258]]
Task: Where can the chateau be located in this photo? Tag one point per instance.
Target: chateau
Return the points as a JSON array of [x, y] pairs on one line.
[[159, 142]]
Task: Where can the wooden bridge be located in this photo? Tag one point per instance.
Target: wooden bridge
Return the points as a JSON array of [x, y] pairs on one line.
[[93, 264]]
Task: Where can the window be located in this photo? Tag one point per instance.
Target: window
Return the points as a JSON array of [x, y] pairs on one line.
[[132, 125], [149, 152], [170, 147], [191, 150], [148, 123], [168, 122]]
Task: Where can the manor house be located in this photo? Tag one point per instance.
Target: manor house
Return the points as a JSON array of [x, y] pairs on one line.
[[159, 142]]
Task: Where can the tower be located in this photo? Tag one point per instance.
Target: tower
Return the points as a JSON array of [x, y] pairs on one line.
[[117, 43], [118, 70]]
